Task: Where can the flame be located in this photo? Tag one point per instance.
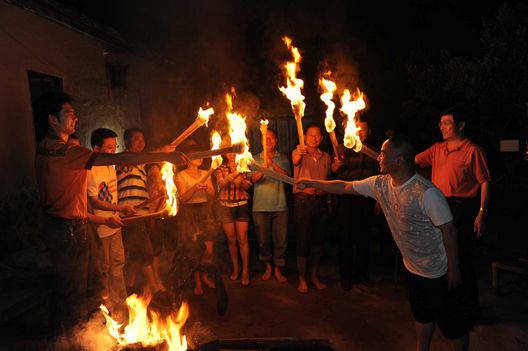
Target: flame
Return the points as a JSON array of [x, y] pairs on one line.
[[147, 327], [328, 88], [293, 87], [237, 132], [167, 174], [203, 115], [350, 108], [216, 140], [264, 124]]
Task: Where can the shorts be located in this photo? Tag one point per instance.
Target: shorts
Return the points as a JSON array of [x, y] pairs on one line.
[[431, 302], [227, 214]]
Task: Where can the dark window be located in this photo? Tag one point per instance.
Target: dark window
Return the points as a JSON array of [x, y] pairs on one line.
[[40, 83], [116, 75]]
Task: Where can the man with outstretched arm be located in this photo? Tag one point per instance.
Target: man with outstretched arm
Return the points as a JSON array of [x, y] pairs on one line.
[[422, 226], [62, 174]]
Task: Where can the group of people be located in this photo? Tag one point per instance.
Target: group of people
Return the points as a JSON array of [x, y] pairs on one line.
[[433, 223]]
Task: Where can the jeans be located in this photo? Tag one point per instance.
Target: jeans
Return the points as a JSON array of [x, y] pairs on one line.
[[67, 244], [272, 226]]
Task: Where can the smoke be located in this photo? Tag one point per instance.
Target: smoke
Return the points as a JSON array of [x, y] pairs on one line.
[[88, 336]]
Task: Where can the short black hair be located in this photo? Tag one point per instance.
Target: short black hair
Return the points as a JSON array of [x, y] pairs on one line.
[[99, 135], [273, 131], [49, 103], [313, 125], [459, 113], [127, 136], [404, 147]]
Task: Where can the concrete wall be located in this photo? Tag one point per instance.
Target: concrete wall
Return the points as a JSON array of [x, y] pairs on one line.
[[31, 42]]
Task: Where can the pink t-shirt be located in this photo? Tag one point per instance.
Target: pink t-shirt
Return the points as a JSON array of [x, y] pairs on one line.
[[62, 173], [458, 172]]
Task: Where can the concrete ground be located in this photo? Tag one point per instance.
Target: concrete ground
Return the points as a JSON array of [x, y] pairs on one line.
[[361, 319]]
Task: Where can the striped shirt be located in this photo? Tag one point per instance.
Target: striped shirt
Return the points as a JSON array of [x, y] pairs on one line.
[[231, 192], [132, 186]]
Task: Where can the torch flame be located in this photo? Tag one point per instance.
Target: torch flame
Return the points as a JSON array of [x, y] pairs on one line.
[[167, 174], [216, 140], [293, 87], [237, 132], [328, 88], [147, 327], [204, 115], [350, 108]]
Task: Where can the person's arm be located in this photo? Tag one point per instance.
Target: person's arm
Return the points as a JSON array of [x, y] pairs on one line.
[[329, 186], [449, 236], [424, 158], [221, 181], [112, 222], [138, 158], [479, 226], [186, 192], [107, 206], [243, 181], [256, 176], [276, 167], [337, 163], [297, 155]]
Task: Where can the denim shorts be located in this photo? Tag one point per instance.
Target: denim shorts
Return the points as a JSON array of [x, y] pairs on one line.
[[228, 214]]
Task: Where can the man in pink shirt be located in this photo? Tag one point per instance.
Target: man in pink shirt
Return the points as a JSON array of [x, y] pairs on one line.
[[460, 171]]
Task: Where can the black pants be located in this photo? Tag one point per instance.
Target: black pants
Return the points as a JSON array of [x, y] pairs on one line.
[[67, 244], [464, 212], [310, 215], [355, 218]]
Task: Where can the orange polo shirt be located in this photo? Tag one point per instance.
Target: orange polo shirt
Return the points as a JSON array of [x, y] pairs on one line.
[[62, 173], [458, 172]]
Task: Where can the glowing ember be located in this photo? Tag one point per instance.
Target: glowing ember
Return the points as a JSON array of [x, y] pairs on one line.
[[293, 87], [237, 132], [147, 327], [350, 108], [205, 114], [167, 174]]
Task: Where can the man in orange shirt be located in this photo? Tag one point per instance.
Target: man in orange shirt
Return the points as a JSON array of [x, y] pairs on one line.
[[460, 171], [62, 173]]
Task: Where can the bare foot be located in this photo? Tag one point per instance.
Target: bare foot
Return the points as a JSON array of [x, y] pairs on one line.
[[208, 282], [235, 274], [279, 276], [302, 287], [318, 283], [245, 279], [198, 291], [267, 274]]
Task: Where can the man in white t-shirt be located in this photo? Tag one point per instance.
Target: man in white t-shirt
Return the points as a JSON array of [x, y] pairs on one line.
[[422, 226], [102, 193]]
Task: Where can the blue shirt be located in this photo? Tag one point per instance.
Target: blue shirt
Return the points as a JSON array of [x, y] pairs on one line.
[[269, 194]]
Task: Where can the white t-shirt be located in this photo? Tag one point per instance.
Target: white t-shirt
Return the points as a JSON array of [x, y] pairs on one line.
[[102, 182], [413, 210], [199, 196]]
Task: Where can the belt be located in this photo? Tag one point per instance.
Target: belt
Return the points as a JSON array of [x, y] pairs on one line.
[[460, 200], [311, 196], [233, 203], [68, 220]]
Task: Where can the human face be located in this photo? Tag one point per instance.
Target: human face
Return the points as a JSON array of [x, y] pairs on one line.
[[271, 141], [313, 137], [67, 119], [450, 130], [363, 131], [109, 146], [136, 142], [388, 159]]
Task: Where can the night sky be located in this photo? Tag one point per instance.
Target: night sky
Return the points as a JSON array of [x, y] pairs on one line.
[[218, 44]]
